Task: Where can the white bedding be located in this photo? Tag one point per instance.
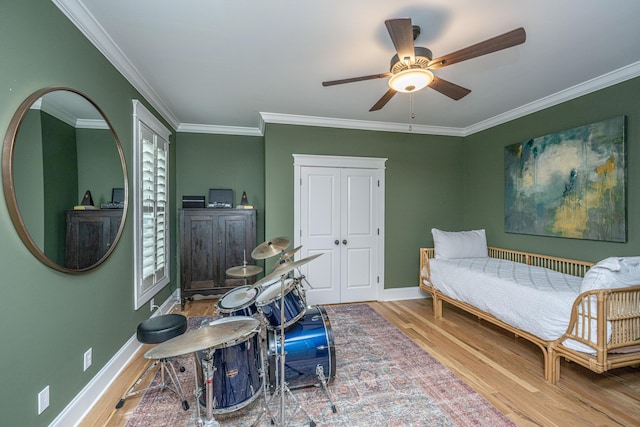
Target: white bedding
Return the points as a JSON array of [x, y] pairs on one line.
[[534, 299]]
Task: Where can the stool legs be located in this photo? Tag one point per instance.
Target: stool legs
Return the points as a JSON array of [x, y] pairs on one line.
[[166, 367]]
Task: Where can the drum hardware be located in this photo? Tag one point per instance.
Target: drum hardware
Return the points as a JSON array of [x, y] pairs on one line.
[[270, 248], [284, 269], [285, 257], [323, 382], [282, 389]]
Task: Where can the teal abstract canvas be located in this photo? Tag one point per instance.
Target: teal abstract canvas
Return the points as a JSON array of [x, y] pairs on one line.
[[569, 184]]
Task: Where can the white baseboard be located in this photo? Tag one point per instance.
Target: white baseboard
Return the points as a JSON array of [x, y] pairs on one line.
[[397, 294], [78, 408]]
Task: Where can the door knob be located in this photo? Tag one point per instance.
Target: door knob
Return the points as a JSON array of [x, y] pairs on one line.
[[337, 242], [344, 242]]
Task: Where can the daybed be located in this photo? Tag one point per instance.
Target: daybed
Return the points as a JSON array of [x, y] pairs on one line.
[[587, 313]]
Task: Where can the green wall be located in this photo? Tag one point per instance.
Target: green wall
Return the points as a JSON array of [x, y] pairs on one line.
[[49, 319], [60, 164], [207, 161], [484, 172], [423, 179]]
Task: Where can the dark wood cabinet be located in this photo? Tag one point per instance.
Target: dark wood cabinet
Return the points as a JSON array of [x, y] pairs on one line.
[[211, 242], [89, 235]]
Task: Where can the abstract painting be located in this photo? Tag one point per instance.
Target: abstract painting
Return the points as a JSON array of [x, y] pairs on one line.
[[569, 184]]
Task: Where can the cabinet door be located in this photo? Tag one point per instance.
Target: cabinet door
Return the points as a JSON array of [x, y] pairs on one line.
[[88, 237], [236, 241], [199, 239]]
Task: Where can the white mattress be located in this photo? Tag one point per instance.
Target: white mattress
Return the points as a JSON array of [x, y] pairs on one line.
[[534, 299]]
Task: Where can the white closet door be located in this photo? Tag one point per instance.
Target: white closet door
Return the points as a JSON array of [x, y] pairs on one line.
[[358, 241], [320, 229], [338, 219]]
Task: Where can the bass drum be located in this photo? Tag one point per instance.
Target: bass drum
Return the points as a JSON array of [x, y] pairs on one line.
[[310, 351]]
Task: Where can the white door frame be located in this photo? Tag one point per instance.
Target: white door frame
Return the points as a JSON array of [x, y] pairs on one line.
[[301, 160]]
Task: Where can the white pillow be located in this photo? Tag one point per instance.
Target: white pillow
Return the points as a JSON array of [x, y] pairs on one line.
[[459, 244], [611, 273]]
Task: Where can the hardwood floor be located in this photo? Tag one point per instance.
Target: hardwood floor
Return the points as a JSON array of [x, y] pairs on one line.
[[506, 370]]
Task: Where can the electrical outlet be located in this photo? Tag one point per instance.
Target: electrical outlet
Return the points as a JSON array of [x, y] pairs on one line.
[[87, 359], [43, 400]]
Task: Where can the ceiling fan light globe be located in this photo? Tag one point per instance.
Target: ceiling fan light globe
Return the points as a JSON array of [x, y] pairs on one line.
[[411, 80]]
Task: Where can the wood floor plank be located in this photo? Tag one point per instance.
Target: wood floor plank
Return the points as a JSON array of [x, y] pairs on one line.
[[506, 370]]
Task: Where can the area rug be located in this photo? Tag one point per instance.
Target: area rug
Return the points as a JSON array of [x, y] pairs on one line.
[[382, 378]]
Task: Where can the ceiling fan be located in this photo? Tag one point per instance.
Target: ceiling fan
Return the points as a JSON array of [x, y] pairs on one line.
[[411, 67]]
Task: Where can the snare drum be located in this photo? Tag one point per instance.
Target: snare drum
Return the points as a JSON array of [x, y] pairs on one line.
[[269, 302], [237, 364], [309, 348], [239, 301]]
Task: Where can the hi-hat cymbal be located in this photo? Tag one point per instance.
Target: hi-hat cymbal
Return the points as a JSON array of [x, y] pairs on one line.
[[244, 271], [211, 336], [283, 269], [270, 248]]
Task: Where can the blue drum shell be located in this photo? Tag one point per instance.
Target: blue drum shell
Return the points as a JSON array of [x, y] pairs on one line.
[[308, 344]]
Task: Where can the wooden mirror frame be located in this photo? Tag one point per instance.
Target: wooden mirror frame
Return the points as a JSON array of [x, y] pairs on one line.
[[9, 184]]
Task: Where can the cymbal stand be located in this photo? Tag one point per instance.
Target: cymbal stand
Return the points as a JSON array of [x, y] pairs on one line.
[[208, 368], [265, 391], [281, 386]]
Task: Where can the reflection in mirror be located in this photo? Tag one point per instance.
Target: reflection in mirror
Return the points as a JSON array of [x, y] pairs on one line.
[[59, 145]]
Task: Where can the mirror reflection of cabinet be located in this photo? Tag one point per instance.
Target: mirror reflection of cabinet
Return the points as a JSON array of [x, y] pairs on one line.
[[58, 145], [211, 242], [90, 234]]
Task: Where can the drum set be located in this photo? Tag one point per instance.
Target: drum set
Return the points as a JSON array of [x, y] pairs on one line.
[[267, 340]]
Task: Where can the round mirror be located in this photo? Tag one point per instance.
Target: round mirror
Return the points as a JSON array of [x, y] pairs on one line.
[[65, 179]]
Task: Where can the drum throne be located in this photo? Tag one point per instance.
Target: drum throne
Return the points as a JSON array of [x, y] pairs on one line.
[[155, 331]]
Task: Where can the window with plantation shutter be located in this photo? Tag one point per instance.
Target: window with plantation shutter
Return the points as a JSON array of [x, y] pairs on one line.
[[151, 233]]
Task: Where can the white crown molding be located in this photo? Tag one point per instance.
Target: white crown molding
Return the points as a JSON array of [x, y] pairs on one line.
[[95, 33], [67, 117], [220, 130], [614, 77], [292, 119]]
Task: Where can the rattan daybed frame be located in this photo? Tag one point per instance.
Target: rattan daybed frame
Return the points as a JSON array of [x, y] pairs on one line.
[[619, 307]]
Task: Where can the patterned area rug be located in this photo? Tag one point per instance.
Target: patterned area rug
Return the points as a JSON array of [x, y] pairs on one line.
[[382, 378]]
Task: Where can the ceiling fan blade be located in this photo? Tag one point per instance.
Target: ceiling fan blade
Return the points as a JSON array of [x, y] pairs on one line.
[[357, 79], [449, 89], [383, 101], [494, 44], [401, 32]]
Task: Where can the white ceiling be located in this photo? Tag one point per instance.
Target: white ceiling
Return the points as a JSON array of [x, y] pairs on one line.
[[229, 66]]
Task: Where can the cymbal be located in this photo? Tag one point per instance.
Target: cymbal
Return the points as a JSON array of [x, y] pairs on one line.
[[244, 271], [211, 336], [270, 248], [283, 269], [286, 256], [291, 253]]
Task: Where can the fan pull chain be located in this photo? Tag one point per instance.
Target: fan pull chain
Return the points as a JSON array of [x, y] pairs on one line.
[[413, 114]]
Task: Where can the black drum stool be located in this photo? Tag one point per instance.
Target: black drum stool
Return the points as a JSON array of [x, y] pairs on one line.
[[154, 331]]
